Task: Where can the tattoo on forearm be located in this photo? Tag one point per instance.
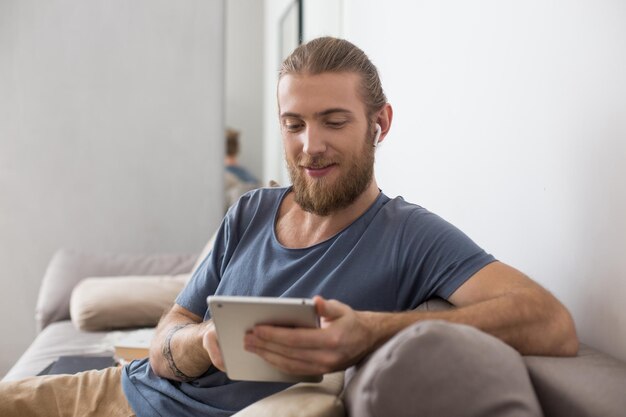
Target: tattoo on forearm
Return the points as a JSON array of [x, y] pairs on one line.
[[167, 353]]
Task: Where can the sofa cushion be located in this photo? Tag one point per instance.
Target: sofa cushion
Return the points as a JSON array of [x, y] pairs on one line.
[[60, 339], [129, 301], [106, 303], [68, 267]]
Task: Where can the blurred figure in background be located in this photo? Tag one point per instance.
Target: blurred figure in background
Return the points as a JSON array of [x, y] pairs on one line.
[[237, 179]]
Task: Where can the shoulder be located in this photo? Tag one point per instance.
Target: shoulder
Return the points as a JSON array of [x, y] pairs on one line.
[[401, 210], [412, 220]]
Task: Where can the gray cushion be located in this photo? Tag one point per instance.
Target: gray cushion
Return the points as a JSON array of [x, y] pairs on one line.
[[435, 368]]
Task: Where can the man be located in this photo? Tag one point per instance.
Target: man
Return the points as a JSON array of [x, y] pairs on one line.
[[369, 260]]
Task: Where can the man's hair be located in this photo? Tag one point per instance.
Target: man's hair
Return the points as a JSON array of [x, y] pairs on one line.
[[329, 54], [232, 142]]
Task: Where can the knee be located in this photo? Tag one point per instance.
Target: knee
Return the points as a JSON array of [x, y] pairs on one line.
[[440, 368]]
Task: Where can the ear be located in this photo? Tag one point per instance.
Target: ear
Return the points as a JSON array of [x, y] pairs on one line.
[[384, 118]]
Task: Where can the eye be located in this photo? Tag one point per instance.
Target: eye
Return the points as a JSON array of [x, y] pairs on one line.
[[336, 124], [292, 125]]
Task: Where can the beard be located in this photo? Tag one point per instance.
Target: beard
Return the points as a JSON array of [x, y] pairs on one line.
[[321, 196]]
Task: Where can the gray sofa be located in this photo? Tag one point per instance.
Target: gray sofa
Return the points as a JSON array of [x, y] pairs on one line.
[[591, 384]]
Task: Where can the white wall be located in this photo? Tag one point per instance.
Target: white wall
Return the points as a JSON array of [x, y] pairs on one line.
[[273, 162], [321, 18], [244, 79], [107, 113], [510, 121]]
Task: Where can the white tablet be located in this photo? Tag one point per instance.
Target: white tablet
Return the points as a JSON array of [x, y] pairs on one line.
[[234, 316]]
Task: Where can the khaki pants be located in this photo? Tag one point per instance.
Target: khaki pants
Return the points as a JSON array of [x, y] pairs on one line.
[[86, 394]]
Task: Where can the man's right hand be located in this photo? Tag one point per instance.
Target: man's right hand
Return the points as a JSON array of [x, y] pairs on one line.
[[211, 345]]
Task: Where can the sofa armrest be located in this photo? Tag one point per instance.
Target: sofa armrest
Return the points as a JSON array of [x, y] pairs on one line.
[[68, 267], [589, 384], [302, 400]]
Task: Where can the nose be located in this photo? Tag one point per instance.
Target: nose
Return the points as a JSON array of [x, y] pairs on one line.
[[313, 142]]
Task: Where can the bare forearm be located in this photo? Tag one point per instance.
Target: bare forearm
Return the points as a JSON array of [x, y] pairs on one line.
[[177, 351], [534, 323]]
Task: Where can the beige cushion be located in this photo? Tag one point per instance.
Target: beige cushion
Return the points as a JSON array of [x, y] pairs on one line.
[[104, 303], [302, 400]]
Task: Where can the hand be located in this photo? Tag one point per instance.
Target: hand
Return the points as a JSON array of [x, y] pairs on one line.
[[211, 345], [342, 340]]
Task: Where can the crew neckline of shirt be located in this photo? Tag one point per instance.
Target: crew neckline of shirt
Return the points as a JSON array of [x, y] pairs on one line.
[[381, 198]]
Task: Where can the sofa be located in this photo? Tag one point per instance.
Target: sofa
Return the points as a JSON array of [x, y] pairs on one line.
[[88, 300]]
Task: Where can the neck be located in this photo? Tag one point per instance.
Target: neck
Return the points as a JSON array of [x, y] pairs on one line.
[[230, 161], [297, 228]]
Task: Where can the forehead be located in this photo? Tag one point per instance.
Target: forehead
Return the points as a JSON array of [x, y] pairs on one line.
[[306, 93]]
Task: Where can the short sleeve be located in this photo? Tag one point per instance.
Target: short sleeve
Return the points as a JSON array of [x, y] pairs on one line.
[[206, 277], [435, 259]]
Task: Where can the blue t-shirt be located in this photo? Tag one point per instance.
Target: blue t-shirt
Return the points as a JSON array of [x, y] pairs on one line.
[[392, 258]]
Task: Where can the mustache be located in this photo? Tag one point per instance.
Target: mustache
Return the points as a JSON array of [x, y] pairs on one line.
[[314, 162]]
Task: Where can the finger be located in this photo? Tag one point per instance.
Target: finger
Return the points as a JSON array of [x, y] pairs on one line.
[[213, 348], [323, 356], [329, 309], [295, 366], [294, 338], [319, 302]]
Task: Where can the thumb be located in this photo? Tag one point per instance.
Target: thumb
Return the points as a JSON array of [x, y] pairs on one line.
[[329, 309]]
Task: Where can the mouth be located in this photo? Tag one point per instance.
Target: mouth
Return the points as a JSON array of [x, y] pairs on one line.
[[319, 171]]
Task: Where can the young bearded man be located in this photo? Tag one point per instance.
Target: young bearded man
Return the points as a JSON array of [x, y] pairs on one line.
[[368, 260]]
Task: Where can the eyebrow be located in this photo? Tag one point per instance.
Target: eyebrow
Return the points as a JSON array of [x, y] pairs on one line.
[[318, 114]]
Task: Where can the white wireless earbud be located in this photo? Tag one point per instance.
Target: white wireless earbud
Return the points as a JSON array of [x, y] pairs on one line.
[[377, 135]]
